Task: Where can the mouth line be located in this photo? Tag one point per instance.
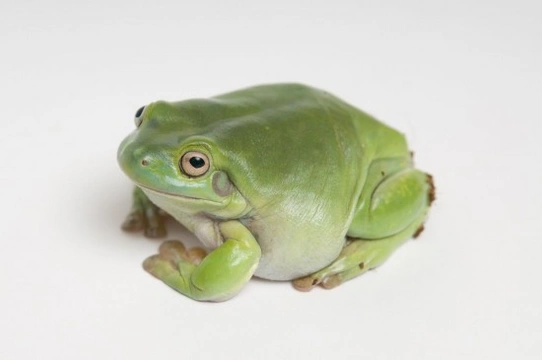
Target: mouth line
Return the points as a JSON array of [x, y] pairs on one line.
[[176, 195]]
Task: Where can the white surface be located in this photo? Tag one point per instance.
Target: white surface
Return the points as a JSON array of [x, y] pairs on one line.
[[462, 79]]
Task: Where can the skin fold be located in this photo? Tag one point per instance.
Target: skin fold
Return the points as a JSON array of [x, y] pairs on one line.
[[283, 181]]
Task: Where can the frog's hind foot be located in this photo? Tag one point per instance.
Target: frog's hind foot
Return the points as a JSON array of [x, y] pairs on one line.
[[356, 258], [307, 283], [145, 216]]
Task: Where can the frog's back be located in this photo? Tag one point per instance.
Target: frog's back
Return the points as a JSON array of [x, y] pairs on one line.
[[383, 140], [297, 103]]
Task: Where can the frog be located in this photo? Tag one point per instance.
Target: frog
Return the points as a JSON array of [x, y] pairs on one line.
[[284, 182]]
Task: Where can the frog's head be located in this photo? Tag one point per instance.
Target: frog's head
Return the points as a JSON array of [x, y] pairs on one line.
[[176, 166]]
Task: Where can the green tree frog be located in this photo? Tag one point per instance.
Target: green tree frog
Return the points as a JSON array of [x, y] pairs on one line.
[[282, 182]]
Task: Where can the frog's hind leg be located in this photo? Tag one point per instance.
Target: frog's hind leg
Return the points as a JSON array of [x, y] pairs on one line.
[[401, 202], [356, 258]]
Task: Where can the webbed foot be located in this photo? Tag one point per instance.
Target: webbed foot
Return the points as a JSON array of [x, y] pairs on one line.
[[214, 277], [172, 258], [356, 258]]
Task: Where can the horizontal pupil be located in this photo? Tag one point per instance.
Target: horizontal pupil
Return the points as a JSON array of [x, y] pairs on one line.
[[197, 162]]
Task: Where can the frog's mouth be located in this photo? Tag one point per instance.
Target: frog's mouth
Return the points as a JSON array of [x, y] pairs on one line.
[[169, 195]]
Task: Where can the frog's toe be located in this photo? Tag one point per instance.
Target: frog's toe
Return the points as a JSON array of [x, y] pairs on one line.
[[335, 280], [173, 251], [196, 255], [134, 222], [331, 282], [155, 227], [151, 223], [158, 267], [306, 283]]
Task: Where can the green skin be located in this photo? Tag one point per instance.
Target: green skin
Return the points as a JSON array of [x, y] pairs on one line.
[[299, 186]]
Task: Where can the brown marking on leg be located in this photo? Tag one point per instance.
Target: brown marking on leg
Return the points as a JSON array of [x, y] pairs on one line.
[[432, 190], [418, 232]]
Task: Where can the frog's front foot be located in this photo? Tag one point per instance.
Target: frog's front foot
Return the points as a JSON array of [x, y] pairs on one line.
[[217, 276], [171, 255], [145, 216], [174, 264]]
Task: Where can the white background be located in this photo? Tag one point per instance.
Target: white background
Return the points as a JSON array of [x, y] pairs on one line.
[[463, 80]]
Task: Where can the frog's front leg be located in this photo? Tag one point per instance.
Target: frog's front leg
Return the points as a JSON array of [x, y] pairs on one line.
[[219, 276], [144, 216]]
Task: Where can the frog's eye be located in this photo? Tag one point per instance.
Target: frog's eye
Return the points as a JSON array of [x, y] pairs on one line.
[[194, 163], [138, 118]]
